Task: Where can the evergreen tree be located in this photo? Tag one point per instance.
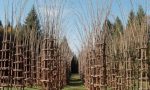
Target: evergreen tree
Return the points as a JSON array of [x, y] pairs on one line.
[[1, 34], [108, 26], [8, 24], [140, 15], [1, 30], [131, 18], [118, 27], [32, 21], [74, 65], [1, 25]]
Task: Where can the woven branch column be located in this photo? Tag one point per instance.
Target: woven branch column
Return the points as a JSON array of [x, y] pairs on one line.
[[6, 61], [33, 66], [143, 69], [39, 70], [108, 63], [49, 68], [103, 70], [114, 74], [27, 63], [87, 72], [33, 46], [45, 62], [92, 67], [62, 72], [18, 66], [38, 64], [120, 74], [97, 65], [129, 71]]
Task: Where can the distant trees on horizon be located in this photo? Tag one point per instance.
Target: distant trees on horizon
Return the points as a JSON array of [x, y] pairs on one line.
[[133, 19]]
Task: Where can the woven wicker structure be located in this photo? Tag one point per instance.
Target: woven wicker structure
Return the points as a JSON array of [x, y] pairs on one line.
[[18, 68], [116, 63], [6, 60], [27, 60], [31, 62]]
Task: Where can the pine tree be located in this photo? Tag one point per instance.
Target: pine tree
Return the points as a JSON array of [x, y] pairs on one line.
[[131, 18], [1, 30], [74, 65], [140, 15], [118, 27], [108, 26], [8, 24], [1, 25], [1, 34], [32, 21]]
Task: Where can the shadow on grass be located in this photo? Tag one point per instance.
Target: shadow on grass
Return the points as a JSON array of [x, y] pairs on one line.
[[75, 82]]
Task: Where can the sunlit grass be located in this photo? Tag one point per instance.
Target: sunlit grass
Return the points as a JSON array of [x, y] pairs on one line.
[[75, 83]]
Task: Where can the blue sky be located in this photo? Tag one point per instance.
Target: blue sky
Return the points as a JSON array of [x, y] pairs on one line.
[[72, 25]]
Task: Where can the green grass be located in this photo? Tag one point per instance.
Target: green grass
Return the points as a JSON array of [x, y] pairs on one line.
[[75, 83], [26, 88], [34, 88]]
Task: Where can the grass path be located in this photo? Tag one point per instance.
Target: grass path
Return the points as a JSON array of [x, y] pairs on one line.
[[75, 83], [26, 88]]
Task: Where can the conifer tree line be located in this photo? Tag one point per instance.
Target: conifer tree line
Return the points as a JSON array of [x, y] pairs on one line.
[[133, 18], [31, 22]]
